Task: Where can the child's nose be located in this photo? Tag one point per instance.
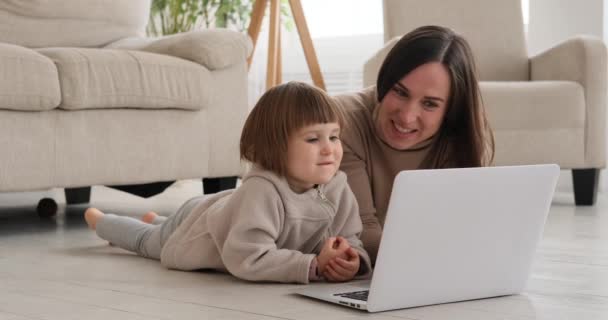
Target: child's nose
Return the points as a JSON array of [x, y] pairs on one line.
[[326, 148]]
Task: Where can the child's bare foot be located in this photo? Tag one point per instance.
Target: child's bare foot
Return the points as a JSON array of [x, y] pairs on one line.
[[91, 216], [149, 217]]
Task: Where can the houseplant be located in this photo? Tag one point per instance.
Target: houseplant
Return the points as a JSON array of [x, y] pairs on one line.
[[174, 16]]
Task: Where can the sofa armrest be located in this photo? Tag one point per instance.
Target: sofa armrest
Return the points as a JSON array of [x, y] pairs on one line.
[[581, 59], [214, 48]]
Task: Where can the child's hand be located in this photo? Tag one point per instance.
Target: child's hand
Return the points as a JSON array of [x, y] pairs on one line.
[[340, 269], [334, 247]]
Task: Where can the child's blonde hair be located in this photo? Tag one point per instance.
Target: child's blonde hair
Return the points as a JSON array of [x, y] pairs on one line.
[[279, 113]]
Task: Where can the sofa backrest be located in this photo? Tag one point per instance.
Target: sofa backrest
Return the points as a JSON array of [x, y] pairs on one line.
[[493, 28], [71, 23]]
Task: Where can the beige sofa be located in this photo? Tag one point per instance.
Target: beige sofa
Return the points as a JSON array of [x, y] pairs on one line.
[[86, 100], [550, 108]]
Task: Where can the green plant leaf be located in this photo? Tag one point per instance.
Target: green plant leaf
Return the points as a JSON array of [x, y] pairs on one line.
[[174, 16]]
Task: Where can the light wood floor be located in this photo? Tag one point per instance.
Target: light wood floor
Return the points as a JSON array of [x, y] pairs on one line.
[[57, 269]]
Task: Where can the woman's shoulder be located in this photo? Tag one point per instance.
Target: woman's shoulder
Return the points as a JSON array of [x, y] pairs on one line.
[[359, 108], [360, 101]]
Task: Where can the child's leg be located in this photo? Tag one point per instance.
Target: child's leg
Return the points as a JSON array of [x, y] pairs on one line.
[[171, 223], [135, 235], [126, 232]]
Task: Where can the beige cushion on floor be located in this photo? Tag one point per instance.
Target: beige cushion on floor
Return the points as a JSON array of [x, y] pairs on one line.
[[28, 80], [105, 78]]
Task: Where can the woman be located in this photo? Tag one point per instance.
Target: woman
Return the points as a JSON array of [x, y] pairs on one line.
[[424, 112]]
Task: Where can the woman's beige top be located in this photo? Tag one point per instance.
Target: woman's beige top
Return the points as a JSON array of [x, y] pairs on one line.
[[371, 165]]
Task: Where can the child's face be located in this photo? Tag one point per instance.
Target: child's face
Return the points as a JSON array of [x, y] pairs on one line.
[[313, 155]]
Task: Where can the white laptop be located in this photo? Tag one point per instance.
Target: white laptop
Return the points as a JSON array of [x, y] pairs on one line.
[[453, 235]]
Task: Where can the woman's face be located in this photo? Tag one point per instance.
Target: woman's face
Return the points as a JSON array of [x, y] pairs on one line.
[[413, 109]]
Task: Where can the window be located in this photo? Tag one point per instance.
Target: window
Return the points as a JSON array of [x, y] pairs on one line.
[[345, 34]]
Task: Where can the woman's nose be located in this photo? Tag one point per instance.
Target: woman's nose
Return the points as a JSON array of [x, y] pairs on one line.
[[409, 113]]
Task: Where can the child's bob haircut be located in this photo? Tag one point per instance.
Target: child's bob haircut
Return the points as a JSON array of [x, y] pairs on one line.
[[280, 112]]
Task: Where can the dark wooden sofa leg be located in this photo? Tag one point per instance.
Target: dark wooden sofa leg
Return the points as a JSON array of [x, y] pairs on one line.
[[145, 190], [585, 183], [214, 185], [46, 208], [77, 195]]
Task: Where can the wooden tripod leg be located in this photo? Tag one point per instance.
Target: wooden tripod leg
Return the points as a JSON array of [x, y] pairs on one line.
[[309, 50], [257, 16], [273, 44]]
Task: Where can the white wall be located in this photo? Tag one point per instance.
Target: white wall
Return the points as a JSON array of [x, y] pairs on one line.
[[552, 21]]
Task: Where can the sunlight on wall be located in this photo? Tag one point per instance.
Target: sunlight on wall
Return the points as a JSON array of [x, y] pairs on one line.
[[525, 7], [337, 18]]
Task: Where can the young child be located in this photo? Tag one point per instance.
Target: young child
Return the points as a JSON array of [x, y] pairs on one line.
[[293, 219]]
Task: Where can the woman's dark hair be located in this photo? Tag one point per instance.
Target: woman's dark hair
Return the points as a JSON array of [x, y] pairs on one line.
[[464, 138]]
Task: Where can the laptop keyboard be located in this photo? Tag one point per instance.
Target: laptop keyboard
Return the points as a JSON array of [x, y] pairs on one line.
[[356, 295]]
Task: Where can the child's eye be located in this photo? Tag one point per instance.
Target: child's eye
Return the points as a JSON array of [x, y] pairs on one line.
[[312, 140], [334, 138]]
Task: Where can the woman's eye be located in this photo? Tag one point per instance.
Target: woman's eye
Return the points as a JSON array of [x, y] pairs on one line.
[[400, 92], [429, 104]]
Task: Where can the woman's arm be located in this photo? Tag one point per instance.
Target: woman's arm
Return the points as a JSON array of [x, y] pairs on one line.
[[348, 212], [360, 184], [354, 137]]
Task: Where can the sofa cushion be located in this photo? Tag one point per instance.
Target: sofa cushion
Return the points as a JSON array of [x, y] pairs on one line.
[[493, 29], [71, 23], [105, 78], [537, 121], [28, 80], [534, 105], [215, 48]]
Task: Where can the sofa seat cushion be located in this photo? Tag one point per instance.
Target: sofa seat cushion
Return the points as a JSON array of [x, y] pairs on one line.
[[537, 105], [28, 80], [536, 121], [107, 78]]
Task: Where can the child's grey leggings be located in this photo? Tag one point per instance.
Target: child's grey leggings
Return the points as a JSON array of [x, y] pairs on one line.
[[145, 239]]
